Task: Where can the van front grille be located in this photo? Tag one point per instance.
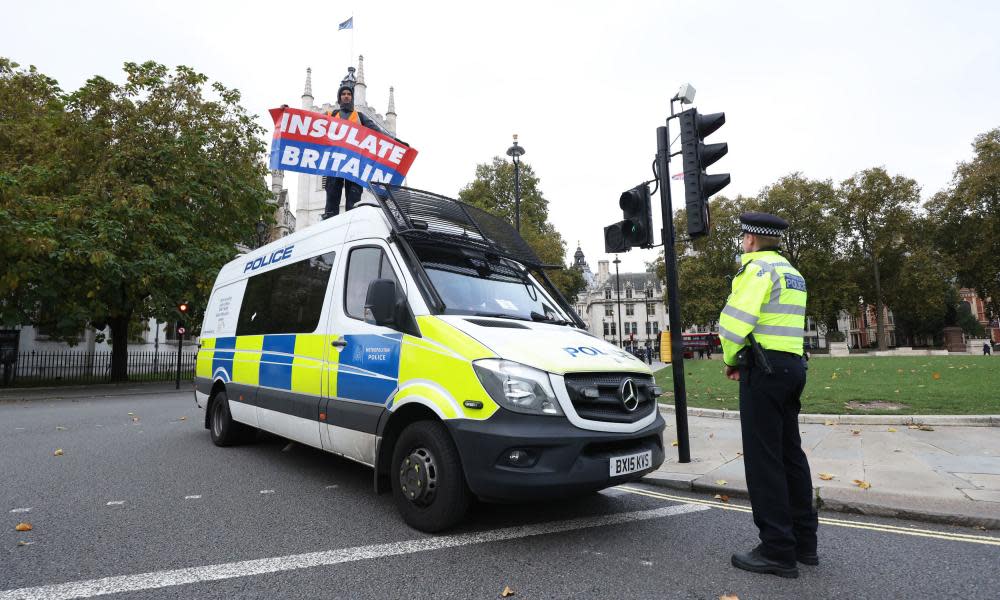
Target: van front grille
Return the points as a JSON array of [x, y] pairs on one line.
[[608, 405]]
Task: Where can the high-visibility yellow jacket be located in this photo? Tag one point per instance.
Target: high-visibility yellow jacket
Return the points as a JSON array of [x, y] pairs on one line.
[[769, 300]]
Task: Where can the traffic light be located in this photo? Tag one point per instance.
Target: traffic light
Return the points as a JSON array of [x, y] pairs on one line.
[[636, 228], [183, 307], [697, 156]]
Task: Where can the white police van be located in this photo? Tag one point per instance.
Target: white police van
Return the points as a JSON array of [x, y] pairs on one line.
[[420, 336]]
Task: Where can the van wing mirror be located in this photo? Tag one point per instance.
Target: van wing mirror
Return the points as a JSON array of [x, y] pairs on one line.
[[380, 303]]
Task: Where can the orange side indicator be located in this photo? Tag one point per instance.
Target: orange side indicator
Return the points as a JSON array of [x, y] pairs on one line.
[[322, 416]]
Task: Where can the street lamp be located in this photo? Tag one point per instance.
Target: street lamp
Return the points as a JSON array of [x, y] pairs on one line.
[[515, 152], [261, 232], [618, 291]]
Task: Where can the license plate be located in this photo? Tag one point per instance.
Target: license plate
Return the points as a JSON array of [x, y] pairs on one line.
[[623, 465]]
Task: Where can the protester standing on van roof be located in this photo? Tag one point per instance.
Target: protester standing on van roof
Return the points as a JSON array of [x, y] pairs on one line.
[[761, 328], [346, 111]]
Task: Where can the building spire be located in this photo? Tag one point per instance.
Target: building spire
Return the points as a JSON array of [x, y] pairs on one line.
[[360, 89], [307, 93], [390, 114]]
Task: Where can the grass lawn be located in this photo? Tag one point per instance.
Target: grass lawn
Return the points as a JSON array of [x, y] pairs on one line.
[[920, 384]]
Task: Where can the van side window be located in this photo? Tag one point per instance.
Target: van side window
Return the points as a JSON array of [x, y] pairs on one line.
[[286, 300], [364, 265]]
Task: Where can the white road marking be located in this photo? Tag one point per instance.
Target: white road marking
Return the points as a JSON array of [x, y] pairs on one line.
[[20, 510], [192, 497], [332, 487], [267, 491], [116, 503], [161, 579]]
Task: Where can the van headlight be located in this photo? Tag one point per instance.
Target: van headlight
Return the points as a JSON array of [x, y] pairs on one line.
[[518, 387]]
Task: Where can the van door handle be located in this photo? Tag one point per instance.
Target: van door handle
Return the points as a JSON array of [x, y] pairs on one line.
[[341, 343]]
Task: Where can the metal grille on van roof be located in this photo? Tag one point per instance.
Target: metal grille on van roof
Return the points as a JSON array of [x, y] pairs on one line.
[[424, 216]]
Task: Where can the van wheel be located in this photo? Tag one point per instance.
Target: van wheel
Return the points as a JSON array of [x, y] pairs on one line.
[[226, 431], [427, 480]]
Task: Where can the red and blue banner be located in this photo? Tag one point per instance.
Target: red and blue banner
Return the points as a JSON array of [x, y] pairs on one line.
[[318, 144]]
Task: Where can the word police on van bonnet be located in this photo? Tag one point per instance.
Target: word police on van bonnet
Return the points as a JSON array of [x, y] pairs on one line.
[[269, 259], [309, 142]]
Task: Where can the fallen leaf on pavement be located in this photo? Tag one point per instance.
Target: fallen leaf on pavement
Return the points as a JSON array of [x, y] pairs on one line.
[[674, 443], [22, 527], [58, 452], [861, 484], [925, 428], [507, 592], [829, 423], [729, 597], [721, 482], [135, 419], [60, 428], [935, 376], [891, 430], [24, 543], [825, 476], [184, 418], [721, 497], [856, 431], [130, 414], [739, 454], [914, 426]]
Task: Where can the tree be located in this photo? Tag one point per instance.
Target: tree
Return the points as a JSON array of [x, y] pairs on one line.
[[158, 184], [876, 209], [493, 190], [813, 242], [967, 218]]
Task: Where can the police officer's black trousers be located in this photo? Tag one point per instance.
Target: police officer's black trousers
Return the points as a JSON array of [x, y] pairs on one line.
[[778, 477], [333, 187]]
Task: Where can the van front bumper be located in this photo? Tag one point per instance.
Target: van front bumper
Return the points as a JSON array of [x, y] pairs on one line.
[[566, 461]]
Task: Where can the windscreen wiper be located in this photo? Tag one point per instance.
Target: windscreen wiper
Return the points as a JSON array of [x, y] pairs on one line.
[[536, 316], [480, 313]]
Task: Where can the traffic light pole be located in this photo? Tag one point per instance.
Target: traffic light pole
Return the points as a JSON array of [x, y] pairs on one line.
[[673, 300], [180, 346]]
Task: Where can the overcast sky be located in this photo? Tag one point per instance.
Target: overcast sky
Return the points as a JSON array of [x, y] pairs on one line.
[[822, 88]]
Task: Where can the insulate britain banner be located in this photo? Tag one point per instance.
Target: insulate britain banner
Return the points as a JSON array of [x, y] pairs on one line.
[[318, 144]]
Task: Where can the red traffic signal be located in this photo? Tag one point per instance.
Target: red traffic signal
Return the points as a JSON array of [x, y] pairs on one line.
[[183, 308]]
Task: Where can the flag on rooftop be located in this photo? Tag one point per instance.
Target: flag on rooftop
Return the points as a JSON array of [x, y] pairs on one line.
[[348, 24]]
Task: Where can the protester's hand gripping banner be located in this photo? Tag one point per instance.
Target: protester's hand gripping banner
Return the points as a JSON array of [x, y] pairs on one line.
[[319, 144]]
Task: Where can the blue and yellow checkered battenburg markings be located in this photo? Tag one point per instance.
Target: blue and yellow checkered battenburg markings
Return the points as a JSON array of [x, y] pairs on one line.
[[369, 367]]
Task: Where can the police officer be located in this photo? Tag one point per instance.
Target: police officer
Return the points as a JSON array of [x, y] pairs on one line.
[[767, 308]]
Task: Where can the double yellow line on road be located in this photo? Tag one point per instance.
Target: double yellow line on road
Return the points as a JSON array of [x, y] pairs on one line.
[[927, 533]]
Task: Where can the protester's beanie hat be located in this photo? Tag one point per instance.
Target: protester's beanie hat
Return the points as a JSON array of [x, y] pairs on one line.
[[347, 84]]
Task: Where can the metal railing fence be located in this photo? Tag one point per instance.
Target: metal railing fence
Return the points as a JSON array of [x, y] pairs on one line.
[[65, 368]]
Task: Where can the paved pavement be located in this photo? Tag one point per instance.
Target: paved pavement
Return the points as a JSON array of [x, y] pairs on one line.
[[917, 467], [140, 504]]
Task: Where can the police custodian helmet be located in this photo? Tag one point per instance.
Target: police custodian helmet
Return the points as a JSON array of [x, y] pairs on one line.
[[759, 223]]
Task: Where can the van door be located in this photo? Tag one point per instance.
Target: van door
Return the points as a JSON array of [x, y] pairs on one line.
[[366, 363], [278, 324]]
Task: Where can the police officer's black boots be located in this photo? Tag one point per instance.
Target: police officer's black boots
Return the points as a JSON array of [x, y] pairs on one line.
[[756, 562]]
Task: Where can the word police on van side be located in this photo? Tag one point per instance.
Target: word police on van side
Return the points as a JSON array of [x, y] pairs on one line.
[[276, 256]]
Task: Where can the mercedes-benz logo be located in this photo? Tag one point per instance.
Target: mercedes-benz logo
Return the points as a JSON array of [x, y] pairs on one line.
[[629, 395]]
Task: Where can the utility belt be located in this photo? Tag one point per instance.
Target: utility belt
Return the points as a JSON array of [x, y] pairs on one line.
[[756, 355]]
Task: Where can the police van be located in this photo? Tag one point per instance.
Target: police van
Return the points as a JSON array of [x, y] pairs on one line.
[[421, 336]]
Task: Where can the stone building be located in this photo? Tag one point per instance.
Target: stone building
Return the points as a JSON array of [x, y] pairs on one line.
[[643, 308]]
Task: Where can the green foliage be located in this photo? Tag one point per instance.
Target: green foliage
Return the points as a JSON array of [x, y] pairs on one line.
[[493, 190], [966, 385], [125, 198], [968, 322], [967, 219], [877, 210]]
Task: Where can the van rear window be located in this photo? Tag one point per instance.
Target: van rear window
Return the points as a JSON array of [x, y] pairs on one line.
[[286, 300]]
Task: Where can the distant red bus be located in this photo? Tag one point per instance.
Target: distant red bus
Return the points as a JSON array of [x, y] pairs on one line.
[[692, 343], [700, 341]]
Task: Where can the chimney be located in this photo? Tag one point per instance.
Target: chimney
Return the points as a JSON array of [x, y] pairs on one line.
[[602, 270]]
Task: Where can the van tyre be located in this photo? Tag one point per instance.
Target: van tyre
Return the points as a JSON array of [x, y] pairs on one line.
[[428, 484], [226, 431]]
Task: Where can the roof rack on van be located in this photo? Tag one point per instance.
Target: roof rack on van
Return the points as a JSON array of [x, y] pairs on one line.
[[424, 216]]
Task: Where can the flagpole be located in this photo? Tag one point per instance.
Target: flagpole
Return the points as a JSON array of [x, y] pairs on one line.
[[350, 62]]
